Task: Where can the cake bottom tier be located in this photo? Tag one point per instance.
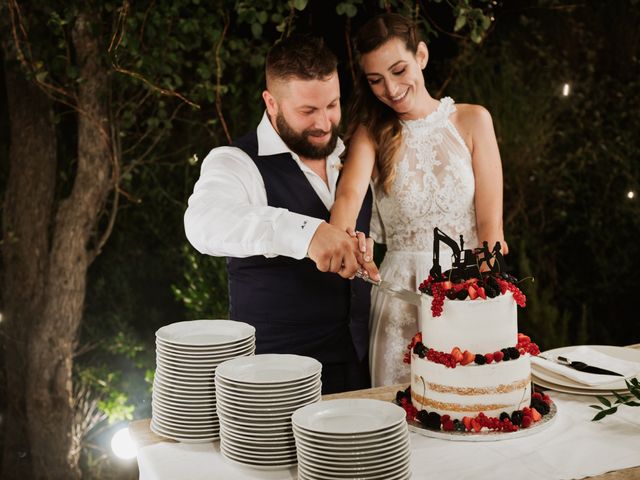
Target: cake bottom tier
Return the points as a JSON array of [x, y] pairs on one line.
[[467, 390]]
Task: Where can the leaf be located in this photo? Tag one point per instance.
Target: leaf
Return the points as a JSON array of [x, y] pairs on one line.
[[620, 398], [599, 416], [300, 4], [461, 21], [256, 29], [597, 407], [604, 401]]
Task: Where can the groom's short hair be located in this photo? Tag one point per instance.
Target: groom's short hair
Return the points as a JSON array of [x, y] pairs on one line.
[[300, 56]]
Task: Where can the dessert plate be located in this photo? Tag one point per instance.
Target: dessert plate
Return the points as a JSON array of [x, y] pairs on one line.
[[205, 333], [623, 353], [269, 369], [574, 390], [348, 416]]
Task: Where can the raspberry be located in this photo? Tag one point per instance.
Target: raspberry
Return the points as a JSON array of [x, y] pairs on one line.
[[526, 422], [488, 357], [498, 356]]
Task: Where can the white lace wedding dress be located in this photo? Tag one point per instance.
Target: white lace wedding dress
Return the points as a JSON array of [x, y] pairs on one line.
[[434, 187]]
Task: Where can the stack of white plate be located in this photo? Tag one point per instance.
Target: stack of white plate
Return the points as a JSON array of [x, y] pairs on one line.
[[352, 438], [255, 397], [187, 355]]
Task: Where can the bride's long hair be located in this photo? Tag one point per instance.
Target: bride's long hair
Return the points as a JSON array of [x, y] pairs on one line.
[[380, 120]]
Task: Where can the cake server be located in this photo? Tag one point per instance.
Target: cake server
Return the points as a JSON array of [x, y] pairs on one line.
[[414, 298], [584, 367]]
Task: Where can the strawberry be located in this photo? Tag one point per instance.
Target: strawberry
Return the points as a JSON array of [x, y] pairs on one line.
[[467, 423], [473, 293], [456, 353], [481, 293], [417, 338], [447, 285], [526, 421], [535, 415], [498, 356], [467, 357], [476, 425], [488, 357]]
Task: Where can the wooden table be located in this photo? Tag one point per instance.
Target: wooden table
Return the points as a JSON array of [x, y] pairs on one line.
[[143, 436]]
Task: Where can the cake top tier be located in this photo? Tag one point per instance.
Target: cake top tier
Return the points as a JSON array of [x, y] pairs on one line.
[[475, 274]]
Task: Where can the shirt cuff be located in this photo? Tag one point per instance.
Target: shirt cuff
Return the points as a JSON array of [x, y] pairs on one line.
[[293, 234]]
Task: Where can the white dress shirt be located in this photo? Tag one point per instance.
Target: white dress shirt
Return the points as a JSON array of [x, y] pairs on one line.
[[228, 213]]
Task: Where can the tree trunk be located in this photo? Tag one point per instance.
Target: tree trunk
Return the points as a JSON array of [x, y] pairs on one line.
[[26, 219], [55, 335], [47, 252]]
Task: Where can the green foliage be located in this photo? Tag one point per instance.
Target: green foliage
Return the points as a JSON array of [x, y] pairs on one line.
[[203, 291], [606, 408]]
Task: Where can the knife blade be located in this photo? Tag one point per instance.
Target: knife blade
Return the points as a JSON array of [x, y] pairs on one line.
[[414, 298], [583, 367]]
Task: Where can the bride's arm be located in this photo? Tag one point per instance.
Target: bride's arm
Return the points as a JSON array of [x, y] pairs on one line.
[[487, 170], [354, 180]]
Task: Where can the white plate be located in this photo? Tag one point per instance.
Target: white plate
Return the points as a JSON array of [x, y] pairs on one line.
[[383, 465], [259, 424], [215, 357], [255, 437], [242, 405], [348, 416], [320, 437], [257, 417], [269, 368], [233, 459], [178, 424], [248, 401], [186, 431], [176, 379], [271, 449], [381, 472], [206, 350], [397, 449], [314, 385], [184, 416], [623, 353], [184, 438], [258, 430], [404, 474], [574, 390], [205, 332], [351, 448]]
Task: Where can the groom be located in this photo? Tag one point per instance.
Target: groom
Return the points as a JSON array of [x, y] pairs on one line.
[[264, 203]]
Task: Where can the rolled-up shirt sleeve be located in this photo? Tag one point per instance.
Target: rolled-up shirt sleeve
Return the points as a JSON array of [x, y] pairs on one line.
[[228, 215]]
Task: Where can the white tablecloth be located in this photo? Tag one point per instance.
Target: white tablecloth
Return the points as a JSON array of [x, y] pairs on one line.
[[572, 447]]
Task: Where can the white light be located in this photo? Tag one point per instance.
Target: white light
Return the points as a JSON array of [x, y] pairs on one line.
[[566, 89], [0, 317], [631, 194], [122, 445]]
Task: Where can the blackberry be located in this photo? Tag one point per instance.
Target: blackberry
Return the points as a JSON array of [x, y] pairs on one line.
[[516, 417], [459, 426], [491, 282], [451, 294], [490, 291], [507, 355], [503, 416], [480, 360], [462, 294], [433, 421], [400, 394], [420, 350], [422, 416], [513, 353], [540, 405]]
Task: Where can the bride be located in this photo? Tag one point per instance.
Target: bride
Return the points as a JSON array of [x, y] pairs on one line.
[[433, 164]]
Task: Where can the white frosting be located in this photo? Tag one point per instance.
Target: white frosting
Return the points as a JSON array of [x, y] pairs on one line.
[[499, 387], [480, 326]]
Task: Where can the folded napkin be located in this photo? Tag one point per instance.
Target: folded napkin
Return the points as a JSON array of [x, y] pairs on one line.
[[591, 357]]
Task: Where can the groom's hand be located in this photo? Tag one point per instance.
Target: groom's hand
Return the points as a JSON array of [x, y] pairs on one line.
[[333, 250]]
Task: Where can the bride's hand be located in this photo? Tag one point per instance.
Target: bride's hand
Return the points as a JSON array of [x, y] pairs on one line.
[[365, 245]]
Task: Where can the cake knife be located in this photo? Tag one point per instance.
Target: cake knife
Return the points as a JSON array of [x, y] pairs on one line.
[[414, 298], [584, 367]]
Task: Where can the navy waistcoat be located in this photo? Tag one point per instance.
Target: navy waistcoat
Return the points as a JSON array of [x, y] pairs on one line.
[[294, 307]]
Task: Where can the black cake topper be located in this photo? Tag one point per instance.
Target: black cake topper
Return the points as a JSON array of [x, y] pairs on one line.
[[466, 263]]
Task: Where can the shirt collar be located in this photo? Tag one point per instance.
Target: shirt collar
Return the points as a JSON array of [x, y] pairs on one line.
[[270, 143]]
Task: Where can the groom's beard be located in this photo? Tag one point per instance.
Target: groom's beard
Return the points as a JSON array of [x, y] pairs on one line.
[[299, 143]]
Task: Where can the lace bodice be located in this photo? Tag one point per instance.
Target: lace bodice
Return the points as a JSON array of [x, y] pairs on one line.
[[434, 186]]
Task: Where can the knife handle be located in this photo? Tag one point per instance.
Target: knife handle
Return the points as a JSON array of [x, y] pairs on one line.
[[363, 275]]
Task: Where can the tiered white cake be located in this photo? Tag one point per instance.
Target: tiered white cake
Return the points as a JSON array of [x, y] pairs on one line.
[[480, 326]]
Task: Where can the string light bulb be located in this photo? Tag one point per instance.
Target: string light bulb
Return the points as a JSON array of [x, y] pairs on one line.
[[631, 194], [566, 89]]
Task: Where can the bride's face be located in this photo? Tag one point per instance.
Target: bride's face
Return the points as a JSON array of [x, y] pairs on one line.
[[395, 75]]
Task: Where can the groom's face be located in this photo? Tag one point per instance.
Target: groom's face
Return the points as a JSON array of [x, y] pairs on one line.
[[306, 114]]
